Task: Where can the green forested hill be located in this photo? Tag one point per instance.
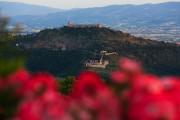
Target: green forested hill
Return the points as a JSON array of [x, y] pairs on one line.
[[63, 51]]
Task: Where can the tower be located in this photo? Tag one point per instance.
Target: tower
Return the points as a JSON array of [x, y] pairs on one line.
[[70, 24]]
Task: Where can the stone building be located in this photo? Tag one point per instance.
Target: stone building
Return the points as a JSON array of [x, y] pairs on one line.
[[72, 25]]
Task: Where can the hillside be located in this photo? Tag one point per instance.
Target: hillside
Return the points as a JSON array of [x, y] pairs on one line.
[[14, 9], [84, 38], [63, 51]]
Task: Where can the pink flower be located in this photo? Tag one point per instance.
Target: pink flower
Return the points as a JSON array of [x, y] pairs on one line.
[[29, 110], [146, 83], [88, 83], [18, 80], [152, 107], [20, 76], [39, 83], [91, 93], [129, 65], [119, 77], [50, 106]]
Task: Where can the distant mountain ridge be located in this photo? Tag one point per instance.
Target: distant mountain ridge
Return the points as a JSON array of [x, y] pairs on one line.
[[114, 15], [153, 21], [15, 9]]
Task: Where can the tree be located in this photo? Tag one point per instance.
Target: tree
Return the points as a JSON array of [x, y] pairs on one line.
[[10, 57]]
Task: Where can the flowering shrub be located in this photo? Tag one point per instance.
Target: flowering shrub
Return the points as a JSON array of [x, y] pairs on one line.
[[131, 95]]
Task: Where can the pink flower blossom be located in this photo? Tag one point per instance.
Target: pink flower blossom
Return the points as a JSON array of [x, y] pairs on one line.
[[39, 83], [129, 65], [144, 97], [119, 77]]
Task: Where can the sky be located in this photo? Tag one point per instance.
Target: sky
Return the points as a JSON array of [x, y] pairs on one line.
[[68, 4]]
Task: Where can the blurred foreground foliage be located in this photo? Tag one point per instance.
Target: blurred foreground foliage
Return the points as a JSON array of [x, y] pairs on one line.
[[66, 84], [132, 94], [10, 56]]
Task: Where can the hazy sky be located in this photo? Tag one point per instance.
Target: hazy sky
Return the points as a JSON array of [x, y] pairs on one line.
[[66, 4]]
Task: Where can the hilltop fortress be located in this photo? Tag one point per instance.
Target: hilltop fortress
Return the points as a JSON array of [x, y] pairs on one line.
[[100, 63], [72, 25]]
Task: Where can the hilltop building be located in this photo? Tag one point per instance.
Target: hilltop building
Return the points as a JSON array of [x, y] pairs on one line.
[[72, 25], [100, 63], [97, 63]]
